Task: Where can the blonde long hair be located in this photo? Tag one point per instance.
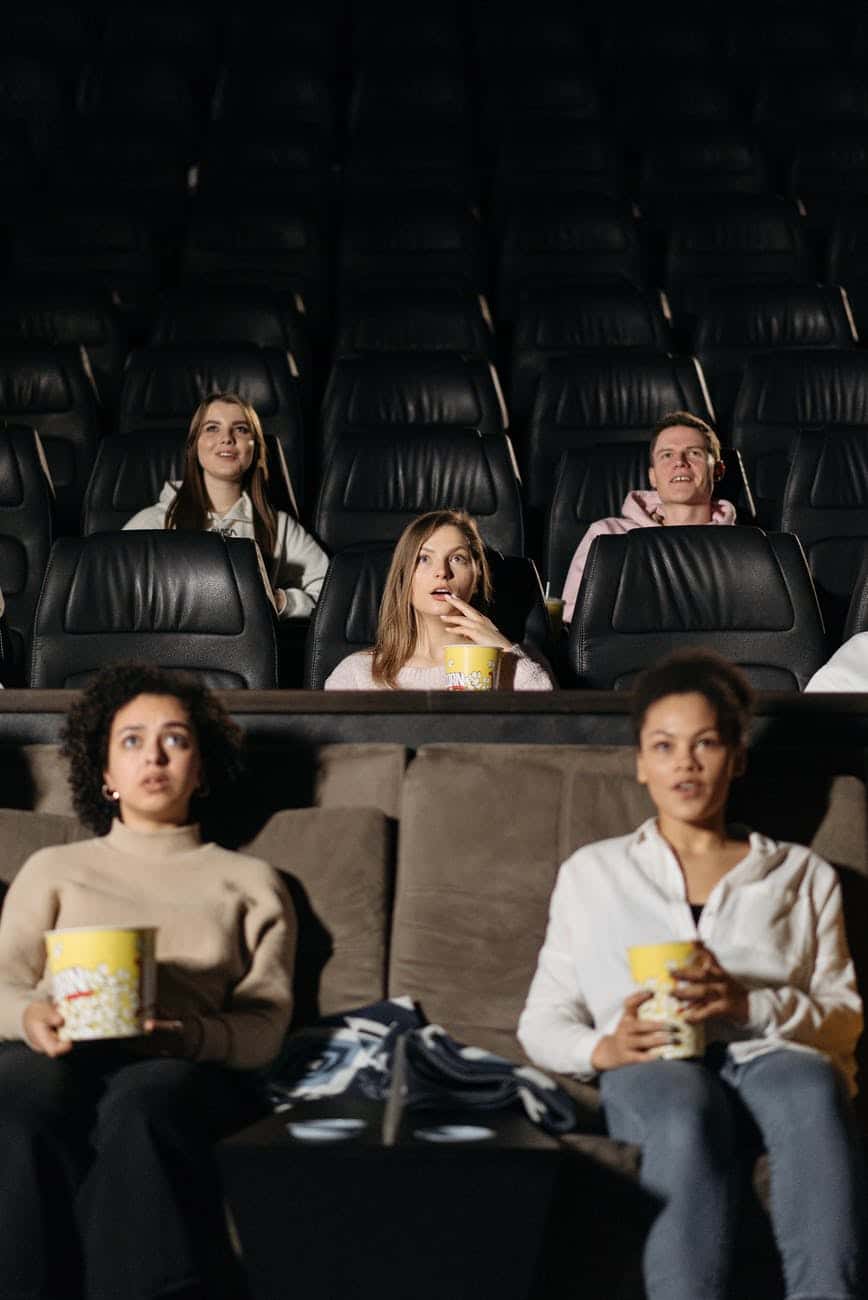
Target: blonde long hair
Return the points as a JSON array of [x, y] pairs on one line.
[[191, 505], [398, 623]]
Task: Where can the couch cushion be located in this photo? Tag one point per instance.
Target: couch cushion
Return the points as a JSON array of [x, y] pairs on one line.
[[337, 864], [483, 831], [353, 776], [22, 833]]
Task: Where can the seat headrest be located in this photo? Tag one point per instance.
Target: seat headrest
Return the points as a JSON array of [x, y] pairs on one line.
[[617, 392], [147, 582], [169, 383], [804, 388], [684, 579]]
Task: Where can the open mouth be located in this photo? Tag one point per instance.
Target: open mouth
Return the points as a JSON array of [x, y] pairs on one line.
[[440, 593], [687, 787]]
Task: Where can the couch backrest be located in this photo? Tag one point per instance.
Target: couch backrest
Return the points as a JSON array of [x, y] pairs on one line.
[[483, 831], [484, 828]]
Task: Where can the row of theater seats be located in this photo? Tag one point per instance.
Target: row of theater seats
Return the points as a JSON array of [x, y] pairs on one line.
[[554, 318], [198, 600], [403, 434], [341, 70], [548, 238], [581, 398]]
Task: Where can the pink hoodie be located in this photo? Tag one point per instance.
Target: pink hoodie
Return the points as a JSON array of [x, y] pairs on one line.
[[642, 509]]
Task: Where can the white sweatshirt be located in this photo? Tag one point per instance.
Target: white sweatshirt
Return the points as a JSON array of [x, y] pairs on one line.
[[847, 670], [297, 566], [518, 672], [775, 922]]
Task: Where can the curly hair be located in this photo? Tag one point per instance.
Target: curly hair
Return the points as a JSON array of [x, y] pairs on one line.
[[699, 672], [85, 736]]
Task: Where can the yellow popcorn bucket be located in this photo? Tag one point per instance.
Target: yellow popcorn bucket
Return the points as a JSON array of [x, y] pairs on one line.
[[103, 979], [651, 966], [472, 667]]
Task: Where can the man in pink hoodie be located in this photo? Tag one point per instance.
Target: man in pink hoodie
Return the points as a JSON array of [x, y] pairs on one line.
[[685, 464]]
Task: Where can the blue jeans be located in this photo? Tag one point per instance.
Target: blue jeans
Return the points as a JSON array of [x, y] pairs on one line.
[[691, 1119]]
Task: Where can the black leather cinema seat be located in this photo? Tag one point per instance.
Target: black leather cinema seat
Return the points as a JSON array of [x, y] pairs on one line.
[[42, 315], [230, 314], [847, 256], [567, 239], [592, 483], [735, 324], [596, 317], [345, 619], [697, 160], [826, 505], [163, 386], [26, 500], [50, 389], [417, 235], [282, 247], [783, 393], [88, 240], [857, 611], [128, 475], [424, 391], [182, 600], [598, 398], [742, 592], [377, 483], [237, 314], [743, 239], [396, 316]]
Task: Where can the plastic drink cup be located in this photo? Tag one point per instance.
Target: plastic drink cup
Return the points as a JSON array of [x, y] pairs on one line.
[[103, 979], [472, 667], [651, 966], [555, 611]]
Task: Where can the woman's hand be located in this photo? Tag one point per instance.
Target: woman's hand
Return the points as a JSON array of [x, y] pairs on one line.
[[472, 625], [634, 1040], [41, 1022], [164, 1036], [710, 990], [279, 600]]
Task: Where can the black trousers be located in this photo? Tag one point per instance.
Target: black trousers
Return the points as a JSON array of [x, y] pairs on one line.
[[108, 1184]]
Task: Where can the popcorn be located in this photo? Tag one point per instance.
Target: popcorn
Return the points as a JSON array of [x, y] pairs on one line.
[[103, 980]]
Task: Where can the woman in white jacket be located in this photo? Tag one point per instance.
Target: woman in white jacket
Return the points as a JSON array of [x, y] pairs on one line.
[[224, 491], [772, 983]]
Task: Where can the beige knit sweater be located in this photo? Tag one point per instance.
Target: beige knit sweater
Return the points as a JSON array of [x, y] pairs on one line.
[[226, 940]]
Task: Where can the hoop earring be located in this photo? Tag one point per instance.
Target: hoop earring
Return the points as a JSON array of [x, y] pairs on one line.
[[111, 796]]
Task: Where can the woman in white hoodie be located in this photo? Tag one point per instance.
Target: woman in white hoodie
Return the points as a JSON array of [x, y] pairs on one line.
[[685, 464], [224, 491]]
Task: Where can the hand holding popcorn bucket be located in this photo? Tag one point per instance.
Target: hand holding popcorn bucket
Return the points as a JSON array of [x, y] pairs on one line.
[[651, 966], [472, 667], [103, 979]]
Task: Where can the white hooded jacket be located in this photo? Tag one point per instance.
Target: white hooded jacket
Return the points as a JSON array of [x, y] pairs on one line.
[[297, 565]]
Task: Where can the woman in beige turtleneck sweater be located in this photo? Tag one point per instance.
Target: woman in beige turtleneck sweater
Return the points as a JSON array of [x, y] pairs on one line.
[[107, 1146]]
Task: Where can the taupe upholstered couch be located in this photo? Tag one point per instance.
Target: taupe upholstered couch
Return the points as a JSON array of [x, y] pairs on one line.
[[429, 874]]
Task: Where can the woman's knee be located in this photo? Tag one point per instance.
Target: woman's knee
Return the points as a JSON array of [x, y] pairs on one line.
[[800, 1086], [676, 1102], [33, 1088]]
